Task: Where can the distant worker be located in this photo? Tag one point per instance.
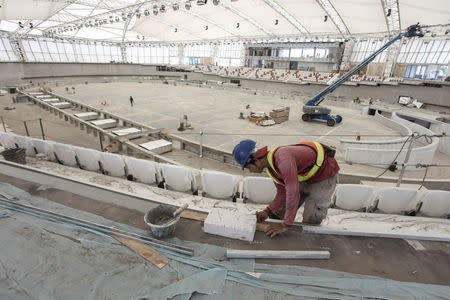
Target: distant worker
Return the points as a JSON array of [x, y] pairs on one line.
[[303, 173], [131, 101]]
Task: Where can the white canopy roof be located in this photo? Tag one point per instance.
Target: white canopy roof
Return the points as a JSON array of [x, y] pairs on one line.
[[132, 20]]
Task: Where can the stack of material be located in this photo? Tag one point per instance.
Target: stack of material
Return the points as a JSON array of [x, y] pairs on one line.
[[257, 116], [280, 115]]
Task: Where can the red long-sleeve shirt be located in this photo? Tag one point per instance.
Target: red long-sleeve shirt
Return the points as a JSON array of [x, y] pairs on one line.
[[290, 161]]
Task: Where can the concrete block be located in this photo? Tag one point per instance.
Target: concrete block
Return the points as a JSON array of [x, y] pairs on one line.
[[45, 147], [43, 96], [88, 158], [397, 200], [61, 105], [436, 204], [177, 178], [112, 164], [105, 123], [158, 146], [36, 93], [144, 171], [230, 224], [126, 131], [50, 100], [354, 196], [65, 154], [87, 116], [219, 185], [259, 189]]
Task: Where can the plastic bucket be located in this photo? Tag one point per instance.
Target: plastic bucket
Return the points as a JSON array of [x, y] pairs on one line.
[[16, 155], [161, 221]]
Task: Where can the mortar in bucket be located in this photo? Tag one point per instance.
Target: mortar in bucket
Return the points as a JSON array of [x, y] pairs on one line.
[[16, 155], [163, 219]]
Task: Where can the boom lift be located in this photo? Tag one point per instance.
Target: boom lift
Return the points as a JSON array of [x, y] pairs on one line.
[[312, 110]]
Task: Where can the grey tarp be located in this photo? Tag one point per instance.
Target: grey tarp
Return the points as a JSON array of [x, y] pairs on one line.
[[40, 259]]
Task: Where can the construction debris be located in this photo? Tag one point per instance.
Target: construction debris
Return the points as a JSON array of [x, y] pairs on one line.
[[144, 250], [234, 225], [280, 115]]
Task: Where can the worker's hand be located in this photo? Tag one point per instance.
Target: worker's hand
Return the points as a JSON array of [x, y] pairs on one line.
[[276, 229], [261, 216]]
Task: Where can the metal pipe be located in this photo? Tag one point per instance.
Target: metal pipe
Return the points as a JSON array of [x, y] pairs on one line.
[[408, 154], [26, 128], [3, 122], [42, 128], [91, 225], [100, 139], [201, 144]]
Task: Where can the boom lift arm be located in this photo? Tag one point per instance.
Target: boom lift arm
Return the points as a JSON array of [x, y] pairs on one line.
[[312, 110]]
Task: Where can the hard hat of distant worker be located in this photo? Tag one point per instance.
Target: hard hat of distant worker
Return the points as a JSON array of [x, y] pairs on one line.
[[245, 152]]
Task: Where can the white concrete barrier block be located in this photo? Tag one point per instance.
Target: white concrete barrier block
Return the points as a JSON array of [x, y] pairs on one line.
[[51, 100], [112, 164], [24, 142], [144, 171], [45, 147], [230, 224], [61, 105], [105, 123], [125, 131], [177, 178], [87, 116], [218, 184], [436, 204], [88, 158], [158, 146], [65, 154], [354, 196], [397, 200], [259, 189]]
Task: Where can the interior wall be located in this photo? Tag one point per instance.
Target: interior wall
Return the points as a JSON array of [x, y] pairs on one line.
[[399, 70], [17, 73]]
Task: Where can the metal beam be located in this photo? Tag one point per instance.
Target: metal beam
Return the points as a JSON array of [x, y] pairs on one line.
[[247, 18], [279, 9], [392, 16], [209, 21], [332, 13]]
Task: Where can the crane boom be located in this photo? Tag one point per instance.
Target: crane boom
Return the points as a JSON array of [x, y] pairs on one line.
[[322, 112]]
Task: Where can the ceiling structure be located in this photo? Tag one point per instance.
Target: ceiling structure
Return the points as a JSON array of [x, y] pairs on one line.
[[181, 20]]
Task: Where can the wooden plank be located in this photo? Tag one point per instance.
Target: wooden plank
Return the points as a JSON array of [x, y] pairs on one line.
[[233, 253], [144, 250], [193, 215]]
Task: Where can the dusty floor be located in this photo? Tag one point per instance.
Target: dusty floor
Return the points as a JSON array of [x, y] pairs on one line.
[[387, 258]]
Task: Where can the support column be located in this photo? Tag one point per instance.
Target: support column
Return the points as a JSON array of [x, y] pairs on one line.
[[348, 50], [123, 52], [391, 59]]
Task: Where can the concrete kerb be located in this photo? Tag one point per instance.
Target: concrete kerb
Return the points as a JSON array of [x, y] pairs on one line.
[[385, 145]]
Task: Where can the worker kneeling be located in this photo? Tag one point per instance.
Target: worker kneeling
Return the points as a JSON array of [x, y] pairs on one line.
[[303, 173]]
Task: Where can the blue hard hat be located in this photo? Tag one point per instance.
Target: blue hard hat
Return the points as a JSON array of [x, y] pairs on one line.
[[242, 151]]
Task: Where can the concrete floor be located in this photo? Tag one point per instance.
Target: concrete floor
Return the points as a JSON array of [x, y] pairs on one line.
[[215, 112], [386, 258]]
